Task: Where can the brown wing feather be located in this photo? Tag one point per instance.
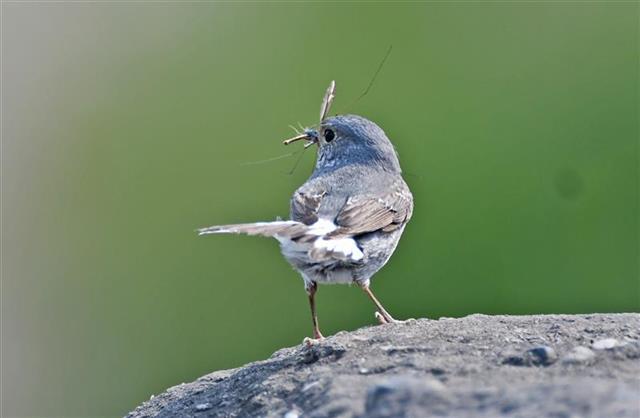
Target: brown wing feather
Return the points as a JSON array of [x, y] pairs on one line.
[[304, 207], [362, 215]]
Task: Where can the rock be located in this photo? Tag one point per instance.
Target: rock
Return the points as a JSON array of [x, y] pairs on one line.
[[513, 358], [605, 344], [405, 396], [578, 355], [536, 356], [203, 406], [322, 350], [541, 356], [448, 368], [294, 413]]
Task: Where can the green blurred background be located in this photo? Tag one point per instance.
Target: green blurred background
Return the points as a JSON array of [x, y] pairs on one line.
[[126, 126]]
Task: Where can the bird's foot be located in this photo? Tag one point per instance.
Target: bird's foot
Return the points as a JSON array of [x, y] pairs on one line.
[[317, 337], [388, 319], [312, 341], [385, 318]]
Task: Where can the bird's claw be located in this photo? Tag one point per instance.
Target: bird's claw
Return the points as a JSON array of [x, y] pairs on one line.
[[385, 319], [381, 319], [312, 341]]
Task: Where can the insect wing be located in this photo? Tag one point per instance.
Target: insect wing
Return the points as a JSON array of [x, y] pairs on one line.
[[327, 100]]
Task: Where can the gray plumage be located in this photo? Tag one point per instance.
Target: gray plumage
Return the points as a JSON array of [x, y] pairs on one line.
[[347, 218], [358, 187]]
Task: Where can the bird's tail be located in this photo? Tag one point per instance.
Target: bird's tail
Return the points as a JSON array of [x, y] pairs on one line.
[[306, 237], [277, 229]]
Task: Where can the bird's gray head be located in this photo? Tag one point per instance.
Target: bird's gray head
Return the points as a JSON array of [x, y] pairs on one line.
[[353, 140], [348, 140]]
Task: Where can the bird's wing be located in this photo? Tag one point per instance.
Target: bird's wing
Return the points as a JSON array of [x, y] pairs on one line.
[[331, 239], [385, 212], [305, 206]]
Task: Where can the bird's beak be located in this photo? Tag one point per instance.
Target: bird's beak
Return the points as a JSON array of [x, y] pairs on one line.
[[309, 135]]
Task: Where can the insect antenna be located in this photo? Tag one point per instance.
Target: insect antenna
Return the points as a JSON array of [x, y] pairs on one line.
[[293, 169], [373, 79], [268, 160]]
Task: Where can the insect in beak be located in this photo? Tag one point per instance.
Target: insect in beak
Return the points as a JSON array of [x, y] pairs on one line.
[[311, 135], [295, 138]]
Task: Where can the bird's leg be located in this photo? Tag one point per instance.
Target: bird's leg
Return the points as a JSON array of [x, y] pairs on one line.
[[311, 291], [382, 315]]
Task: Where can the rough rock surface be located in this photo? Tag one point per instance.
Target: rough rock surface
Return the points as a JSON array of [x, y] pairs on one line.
[[481, 366]]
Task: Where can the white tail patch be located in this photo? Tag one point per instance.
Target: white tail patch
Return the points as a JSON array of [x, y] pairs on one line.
[[343, 248], [322, 227]]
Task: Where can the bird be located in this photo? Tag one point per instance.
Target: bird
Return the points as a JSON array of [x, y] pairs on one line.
[[347, 218]]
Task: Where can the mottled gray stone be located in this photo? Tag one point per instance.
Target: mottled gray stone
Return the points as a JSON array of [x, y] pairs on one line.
[[579, 355], [425, 368], [605, 344]]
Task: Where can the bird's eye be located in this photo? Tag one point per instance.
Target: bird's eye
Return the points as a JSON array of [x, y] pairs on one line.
[[329, 135]]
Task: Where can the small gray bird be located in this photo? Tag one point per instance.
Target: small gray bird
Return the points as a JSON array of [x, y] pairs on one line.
[[347, 218]]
